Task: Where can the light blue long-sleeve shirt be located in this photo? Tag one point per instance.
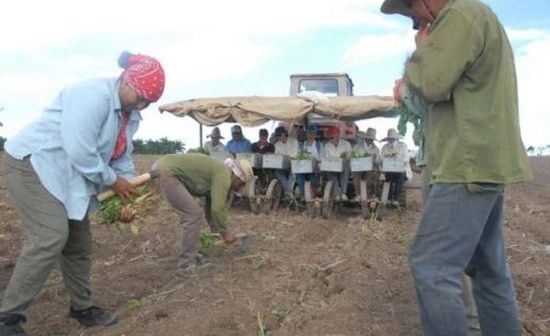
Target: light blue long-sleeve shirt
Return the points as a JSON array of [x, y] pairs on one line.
[[72, 142], [239, 146]]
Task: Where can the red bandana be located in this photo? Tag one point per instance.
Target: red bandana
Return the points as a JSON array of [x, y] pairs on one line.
[[145, 75]]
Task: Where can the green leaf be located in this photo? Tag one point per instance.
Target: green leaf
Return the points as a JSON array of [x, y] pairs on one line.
[[133, 303]]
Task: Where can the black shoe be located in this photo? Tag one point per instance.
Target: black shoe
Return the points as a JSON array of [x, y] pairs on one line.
[[10, 325], [94, 316]]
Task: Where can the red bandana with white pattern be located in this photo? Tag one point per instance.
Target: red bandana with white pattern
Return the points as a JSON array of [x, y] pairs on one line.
[[145, 75]]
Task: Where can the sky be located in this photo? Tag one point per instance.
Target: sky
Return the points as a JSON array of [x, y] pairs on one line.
[[213, 48]]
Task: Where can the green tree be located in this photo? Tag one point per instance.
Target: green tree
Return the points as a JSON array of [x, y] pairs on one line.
[[160, 146]]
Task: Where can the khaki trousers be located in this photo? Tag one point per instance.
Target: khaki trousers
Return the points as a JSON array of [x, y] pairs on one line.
[[50, 238], [190, 213]]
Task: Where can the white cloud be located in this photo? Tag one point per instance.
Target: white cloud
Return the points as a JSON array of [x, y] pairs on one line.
[[208, 57], [373, 48], [55, 22], [525, 34], [533, 71]]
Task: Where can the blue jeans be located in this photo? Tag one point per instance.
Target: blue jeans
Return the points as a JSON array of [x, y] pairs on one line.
[[462, 229], [284, 177], [397, 181], [340, 181], [302, 178]]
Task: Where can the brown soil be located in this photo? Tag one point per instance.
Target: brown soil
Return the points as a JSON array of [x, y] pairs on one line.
[[343, 276]]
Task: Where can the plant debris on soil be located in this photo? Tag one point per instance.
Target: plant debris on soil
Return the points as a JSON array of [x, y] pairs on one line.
[[301, 276]]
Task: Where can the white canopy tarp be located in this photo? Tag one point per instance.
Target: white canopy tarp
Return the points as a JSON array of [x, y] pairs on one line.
[[254, 111]]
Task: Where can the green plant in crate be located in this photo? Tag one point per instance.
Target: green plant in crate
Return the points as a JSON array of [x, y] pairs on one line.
[[354, 155], [302, 156]]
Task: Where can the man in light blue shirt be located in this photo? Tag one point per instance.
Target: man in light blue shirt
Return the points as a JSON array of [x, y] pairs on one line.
[[238, 144], [81, 144]]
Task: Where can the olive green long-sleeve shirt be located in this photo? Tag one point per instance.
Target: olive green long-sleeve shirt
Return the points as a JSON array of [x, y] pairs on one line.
[[465, 72], [203, 176]]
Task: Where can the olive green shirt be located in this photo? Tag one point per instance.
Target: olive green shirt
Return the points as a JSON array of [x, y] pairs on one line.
[[465, 72], [203, 176]]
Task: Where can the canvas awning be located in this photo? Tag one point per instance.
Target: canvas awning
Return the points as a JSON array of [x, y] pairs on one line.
[[254, 111]]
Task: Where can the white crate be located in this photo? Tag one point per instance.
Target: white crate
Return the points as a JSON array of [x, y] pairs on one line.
[[332, 165], [275, 161], [302, 166], [393, 165], [255, 159], [361, 164]]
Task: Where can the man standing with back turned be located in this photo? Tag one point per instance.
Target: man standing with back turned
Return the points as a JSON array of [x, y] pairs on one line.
[[464, 70]]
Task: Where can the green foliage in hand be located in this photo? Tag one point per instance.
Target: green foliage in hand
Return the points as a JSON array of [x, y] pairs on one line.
[[110, 208], [206, 241]]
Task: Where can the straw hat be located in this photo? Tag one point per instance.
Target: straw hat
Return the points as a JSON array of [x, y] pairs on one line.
[[392, 134], [395, 7], [240, 168], [215, 133], [371, 133]]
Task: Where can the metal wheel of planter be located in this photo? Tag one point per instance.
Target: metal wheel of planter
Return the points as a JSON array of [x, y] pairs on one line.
[[403, 198], [385, 192], [363, 199], [253, 199], [328, 200], [310, 205]]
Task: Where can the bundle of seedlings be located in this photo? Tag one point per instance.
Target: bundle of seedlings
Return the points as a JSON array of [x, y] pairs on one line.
[[114, 209]]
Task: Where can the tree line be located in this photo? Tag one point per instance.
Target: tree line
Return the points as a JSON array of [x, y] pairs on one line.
[[160, 146]]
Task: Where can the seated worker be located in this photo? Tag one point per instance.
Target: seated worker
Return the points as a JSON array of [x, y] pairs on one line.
[[298, 133], [182, 177], [395, 148], [263, 146], [367, 145], [312, 146], [285, 145], [238, 143], [334, 148], [214, 147]]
